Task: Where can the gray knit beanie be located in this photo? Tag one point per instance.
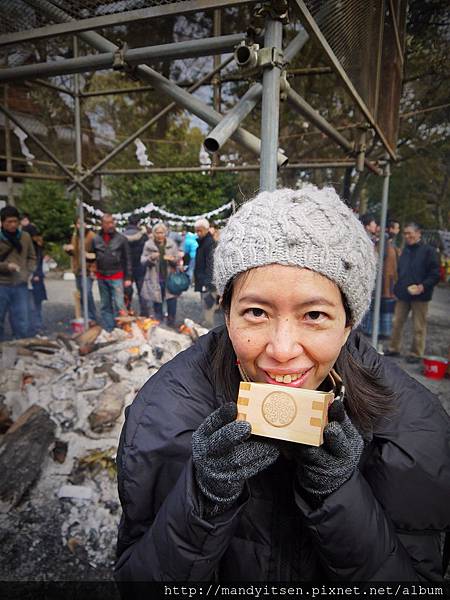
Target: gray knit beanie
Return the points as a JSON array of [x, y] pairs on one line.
[[308, 228]]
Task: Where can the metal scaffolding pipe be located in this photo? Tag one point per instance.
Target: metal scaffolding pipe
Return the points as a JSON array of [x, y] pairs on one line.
[[20, 175], [80, 207], [116, 19], [228, 125], [379, 281], [337, 164], [295, 45], [149, 123], [135, 56], [317, 120], [191, 103], [44, 149], [270, 108], [222, 132]]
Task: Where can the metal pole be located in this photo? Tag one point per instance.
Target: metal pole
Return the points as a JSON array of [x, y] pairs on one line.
[[144, 127], [161, 83], [116, 19], [44, 149], [222, 132], [19, 175], [228, 125], [328, 164], [79, 163], [270, 107], [8, 151], [381, 247], [217, 30], [123, 59], [217, 90]]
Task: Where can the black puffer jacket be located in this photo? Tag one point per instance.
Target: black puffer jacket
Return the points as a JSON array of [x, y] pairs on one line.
[[382, 524], [418, 263]]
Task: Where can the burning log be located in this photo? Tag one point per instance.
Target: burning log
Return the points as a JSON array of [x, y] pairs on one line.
[[22, 452]]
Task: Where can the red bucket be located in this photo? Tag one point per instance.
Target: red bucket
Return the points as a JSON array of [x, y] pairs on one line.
[[435, 367], [77, 325]]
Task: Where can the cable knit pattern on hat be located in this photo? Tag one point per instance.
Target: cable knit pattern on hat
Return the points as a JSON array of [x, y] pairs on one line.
[[308, 228]]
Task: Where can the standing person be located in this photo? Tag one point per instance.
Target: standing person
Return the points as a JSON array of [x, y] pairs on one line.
[[370, 225], [37, 293], [160, 258], [204, 500], [418, 273], [387, 290], [73, 249], [393, 229], [113, 270], [203, 271], [136, 241], [190, 246], [17, 263]]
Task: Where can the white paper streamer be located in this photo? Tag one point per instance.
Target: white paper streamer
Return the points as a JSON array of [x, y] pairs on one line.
[[150, 207], [24, 148]]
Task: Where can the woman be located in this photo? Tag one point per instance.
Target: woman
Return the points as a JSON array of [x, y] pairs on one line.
[[160, 256], [203, 499], [73, 250]]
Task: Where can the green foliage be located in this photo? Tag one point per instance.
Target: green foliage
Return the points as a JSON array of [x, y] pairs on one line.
[[55, 250], [49, 208], [182, 193]]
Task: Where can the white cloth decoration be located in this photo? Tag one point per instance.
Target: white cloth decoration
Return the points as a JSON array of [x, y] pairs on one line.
[[24, 148], [141, 154]]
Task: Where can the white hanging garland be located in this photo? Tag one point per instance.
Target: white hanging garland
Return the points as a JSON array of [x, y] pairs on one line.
[[171, 218]]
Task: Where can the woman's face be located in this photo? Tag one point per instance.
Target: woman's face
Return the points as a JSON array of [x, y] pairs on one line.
[[159, 235], [287, 325]]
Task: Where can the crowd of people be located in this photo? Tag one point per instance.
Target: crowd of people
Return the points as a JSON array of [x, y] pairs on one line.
[[142, 259], [408, 279], [22, 289]]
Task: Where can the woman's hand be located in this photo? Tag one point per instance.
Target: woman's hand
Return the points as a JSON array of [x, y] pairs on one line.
[[323, 470], [224, 457]]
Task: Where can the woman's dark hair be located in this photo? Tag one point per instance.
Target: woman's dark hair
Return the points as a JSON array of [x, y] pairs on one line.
[[366, 398]]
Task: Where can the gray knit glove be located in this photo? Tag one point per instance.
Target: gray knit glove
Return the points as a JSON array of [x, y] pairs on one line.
[[323, 470], [224, 458]]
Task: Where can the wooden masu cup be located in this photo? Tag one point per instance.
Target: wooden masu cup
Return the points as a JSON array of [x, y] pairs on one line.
[[284, 413]]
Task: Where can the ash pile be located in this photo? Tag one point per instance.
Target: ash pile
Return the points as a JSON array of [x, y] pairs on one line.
[[62, 407]]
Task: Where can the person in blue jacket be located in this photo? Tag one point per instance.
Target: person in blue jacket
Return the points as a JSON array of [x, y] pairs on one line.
[[205, 500], [190, 245]]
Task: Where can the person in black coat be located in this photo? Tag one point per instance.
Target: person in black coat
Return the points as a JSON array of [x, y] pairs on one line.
[[136, 241], [205, 500], [203, 271], [418, 274], [112, 255]]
